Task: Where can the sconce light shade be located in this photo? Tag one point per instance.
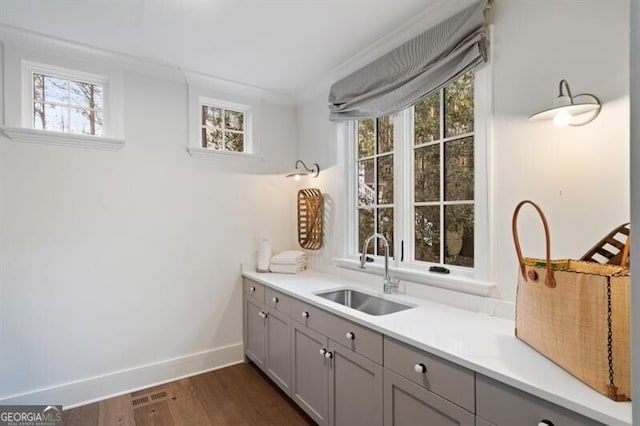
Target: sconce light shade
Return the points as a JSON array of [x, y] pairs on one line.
[[297, 173], [568, 111]]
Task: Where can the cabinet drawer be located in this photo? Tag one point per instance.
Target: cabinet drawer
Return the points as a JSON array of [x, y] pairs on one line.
[[300, 311], [353, 336], [442, 377], [406, 403], [253, 290], [277, 301], [506, 406]]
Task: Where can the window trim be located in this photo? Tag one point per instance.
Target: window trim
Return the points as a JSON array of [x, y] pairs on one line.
[[199, 96], [476, 280]]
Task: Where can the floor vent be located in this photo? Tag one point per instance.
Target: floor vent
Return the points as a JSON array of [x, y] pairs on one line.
[[140, 401], [150, 398], [159, 395]]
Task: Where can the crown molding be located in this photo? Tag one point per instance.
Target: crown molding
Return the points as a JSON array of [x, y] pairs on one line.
[[11, 35], [33, 40], [198, 79]]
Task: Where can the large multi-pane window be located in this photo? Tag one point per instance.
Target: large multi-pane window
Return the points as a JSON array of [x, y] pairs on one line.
[[433, 152]]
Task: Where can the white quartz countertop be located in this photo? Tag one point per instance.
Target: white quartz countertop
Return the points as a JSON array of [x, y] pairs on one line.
[[477, 341]]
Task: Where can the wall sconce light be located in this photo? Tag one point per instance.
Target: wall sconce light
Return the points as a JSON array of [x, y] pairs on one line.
[[566, 111], [297, 173]]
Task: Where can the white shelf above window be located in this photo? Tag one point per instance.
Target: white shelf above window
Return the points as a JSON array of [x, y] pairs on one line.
[[197, 152], [48, 137]]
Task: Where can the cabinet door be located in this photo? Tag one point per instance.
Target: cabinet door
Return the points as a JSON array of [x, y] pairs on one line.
[[406, 403], [278, 349], [254, 332], [309, 379], [355, 388], [482, 422]]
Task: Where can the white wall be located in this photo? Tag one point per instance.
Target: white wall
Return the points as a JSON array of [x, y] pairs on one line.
[[117, 260], [579, 175], [634, 94]]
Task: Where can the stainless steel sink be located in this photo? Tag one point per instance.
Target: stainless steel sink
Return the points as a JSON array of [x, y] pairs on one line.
[[363, 302]]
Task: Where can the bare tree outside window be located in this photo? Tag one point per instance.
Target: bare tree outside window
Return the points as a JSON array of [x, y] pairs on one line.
[[222, 129], [66, 105]]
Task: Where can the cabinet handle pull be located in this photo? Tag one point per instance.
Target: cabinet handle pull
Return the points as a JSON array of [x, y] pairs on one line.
[[420, 368], [351, 336], [262, 314], [252, 289], [328, 355], [545, 422], [323, 351], [275, 300], [305, 314]]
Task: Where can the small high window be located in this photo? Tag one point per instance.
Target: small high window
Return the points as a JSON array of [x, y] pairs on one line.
[[225, 126], [222, 129], [66, 101]]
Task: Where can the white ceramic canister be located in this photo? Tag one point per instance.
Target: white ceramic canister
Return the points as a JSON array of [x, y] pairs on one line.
[[264, 254]]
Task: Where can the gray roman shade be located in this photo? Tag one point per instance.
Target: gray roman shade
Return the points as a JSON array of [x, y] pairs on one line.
[[415, 69]]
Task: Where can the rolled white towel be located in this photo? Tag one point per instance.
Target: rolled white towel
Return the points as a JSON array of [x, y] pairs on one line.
[[287, 269], [291, 257]]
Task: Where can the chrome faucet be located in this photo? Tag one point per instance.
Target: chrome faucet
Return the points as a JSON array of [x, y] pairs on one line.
[[388, 283]]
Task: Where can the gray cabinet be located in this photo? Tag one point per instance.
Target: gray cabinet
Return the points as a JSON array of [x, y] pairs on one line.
[[267, 334], [254, 332], [333, 384], [452, 382], [407, 404], [359, 339], [345, 374], [253, 290], [277, 301], [278, 349], [482, 422], [309, 378], [506, 406], [355, 388]]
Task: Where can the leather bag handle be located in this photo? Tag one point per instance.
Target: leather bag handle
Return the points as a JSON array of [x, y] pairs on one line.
[[550, 280], [625, 252]]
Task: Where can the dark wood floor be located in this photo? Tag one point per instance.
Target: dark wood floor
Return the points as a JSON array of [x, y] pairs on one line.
[[237, 395]]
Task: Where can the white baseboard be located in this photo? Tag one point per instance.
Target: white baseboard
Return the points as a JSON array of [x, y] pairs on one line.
[[97, 388]]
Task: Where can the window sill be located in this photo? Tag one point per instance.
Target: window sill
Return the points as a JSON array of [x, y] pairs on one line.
[[48, 137], [197, 152], [455, 282]]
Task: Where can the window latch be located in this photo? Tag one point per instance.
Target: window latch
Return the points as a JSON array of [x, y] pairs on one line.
[[368, 259]]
